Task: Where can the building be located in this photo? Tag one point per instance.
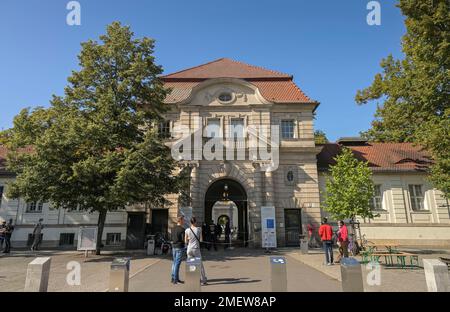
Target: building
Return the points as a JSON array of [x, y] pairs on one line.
[[228, 101]]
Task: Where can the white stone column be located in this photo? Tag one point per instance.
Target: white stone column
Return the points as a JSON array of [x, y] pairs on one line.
[[194, 190], [255, 214]]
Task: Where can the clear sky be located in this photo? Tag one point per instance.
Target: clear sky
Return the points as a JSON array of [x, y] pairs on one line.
[[327, 45]]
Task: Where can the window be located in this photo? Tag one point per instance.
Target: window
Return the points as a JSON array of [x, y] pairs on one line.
[[34, 207], [377, 201], [113, 239], [164, 129], [287, 129], [66, 239], [237, 128], [416, 197], [213, 128], [1, 194], [290, 176], [225, 97]]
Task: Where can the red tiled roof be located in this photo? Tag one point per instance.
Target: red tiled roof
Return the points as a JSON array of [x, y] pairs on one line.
[[225, 67], [274, 86], [380, 156]]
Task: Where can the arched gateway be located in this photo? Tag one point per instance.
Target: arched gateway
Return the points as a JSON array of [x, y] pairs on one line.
[[227, 190]]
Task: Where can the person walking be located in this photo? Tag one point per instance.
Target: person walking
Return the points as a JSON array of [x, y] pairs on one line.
[[227, 234], [342, 236], [213, 235], [326, 235], [2, 233], [177, 249], [9, 229], [193, 237], [37, 235]]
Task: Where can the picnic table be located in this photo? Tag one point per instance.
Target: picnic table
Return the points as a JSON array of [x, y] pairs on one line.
[[391, 252]]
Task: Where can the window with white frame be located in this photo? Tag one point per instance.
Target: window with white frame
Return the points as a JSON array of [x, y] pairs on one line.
[[416, 197], [164, 129], [377, 200], [237, 128], [34, 207], [287, 129], [213, 128], [113, 238]]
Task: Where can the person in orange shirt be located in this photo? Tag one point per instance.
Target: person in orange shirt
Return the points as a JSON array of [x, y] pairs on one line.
[[326, 235]]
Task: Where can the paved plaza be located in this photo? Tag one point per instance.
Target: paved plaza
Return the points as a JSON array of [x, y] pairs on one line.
[[236, 270]]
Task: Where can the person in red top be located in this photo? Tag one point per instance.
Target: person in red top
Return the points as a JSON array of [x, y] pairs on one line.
[[342, 241], [326, 234]]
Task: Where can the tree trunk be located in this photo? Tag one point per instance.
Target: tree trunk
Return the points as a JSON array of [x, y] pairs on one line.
[[101, 225]]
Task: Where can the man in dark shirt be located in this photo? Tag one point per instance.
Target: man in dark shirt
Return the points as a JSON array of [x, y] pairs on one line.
[[8, 233], [177, 249]]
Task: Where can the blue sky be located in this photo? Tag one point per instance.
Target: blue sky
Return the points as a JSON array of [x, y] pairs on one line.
[[327, 45]]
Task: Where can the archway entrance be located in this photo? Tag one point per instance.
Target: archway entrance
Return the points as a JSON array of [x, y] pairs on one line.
[[225, 193]]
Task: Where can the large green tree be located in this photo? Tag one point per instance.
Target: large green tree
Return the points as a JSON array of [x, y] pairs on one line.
[[415, 90], [349, 188], [96, 147]]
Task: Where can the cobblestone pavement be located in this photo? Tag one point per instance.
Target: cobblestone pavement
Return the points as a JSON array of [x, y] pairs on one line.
[[237, 270]]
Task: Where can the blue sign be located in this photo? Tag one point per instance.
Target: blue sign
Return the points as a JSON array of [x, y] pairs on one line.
[[270, 223], [278, 260]]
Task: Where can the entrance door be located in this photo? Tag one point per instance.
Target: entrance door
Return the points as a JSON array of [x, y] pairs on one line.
[[135, 231], [293, 226], [160, 221]]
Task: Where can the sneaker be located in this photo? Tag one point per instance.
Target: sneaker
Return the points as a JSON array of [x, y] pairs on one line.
[[181, 282], [329, 263], [204, 283]]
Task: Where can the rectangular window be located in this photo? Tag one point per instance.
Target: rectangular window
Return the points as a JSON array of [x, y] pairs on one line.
[[113, 239], [34, 207], [164, 129], [237, 128], [287, 129], [1, 194], [66, 239], [416, 197], [213, 128], [377, 200]]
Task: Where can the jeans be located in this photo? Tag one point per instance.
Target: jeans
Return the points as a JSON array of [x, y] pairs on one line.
[[177, 257], [328, 248], [195, 253]]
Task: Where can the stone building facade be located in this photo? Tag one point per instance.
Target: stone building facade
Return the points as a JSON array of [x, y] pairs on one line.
[[227, 100]]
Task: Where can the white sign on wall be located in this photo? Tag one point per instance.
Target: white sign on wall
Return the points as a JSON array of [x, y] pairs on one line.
[[187, 213], [268, 227], [87, 238]]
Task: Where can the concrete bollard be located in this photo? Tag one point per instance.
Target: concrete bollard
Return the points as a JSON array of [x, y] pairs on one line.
[[119, 275], [303, 244], [278, 274], [38, 272], [151, 246], [351, 274], [193, 274], [436, 275]]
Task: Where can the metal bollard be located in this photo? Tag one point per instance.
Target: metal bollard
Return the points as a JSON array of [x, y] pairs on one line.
[[119, 275], [278, 274], [351, 274], [193, 274], [436, 275], [38, 272], [151, 245], [303, 244]]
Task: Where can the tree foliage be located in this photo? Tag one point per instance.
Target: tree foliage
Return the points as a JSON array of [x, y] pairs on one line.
[[349, 189], [96, 147], [416, 90], [320, 137]]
